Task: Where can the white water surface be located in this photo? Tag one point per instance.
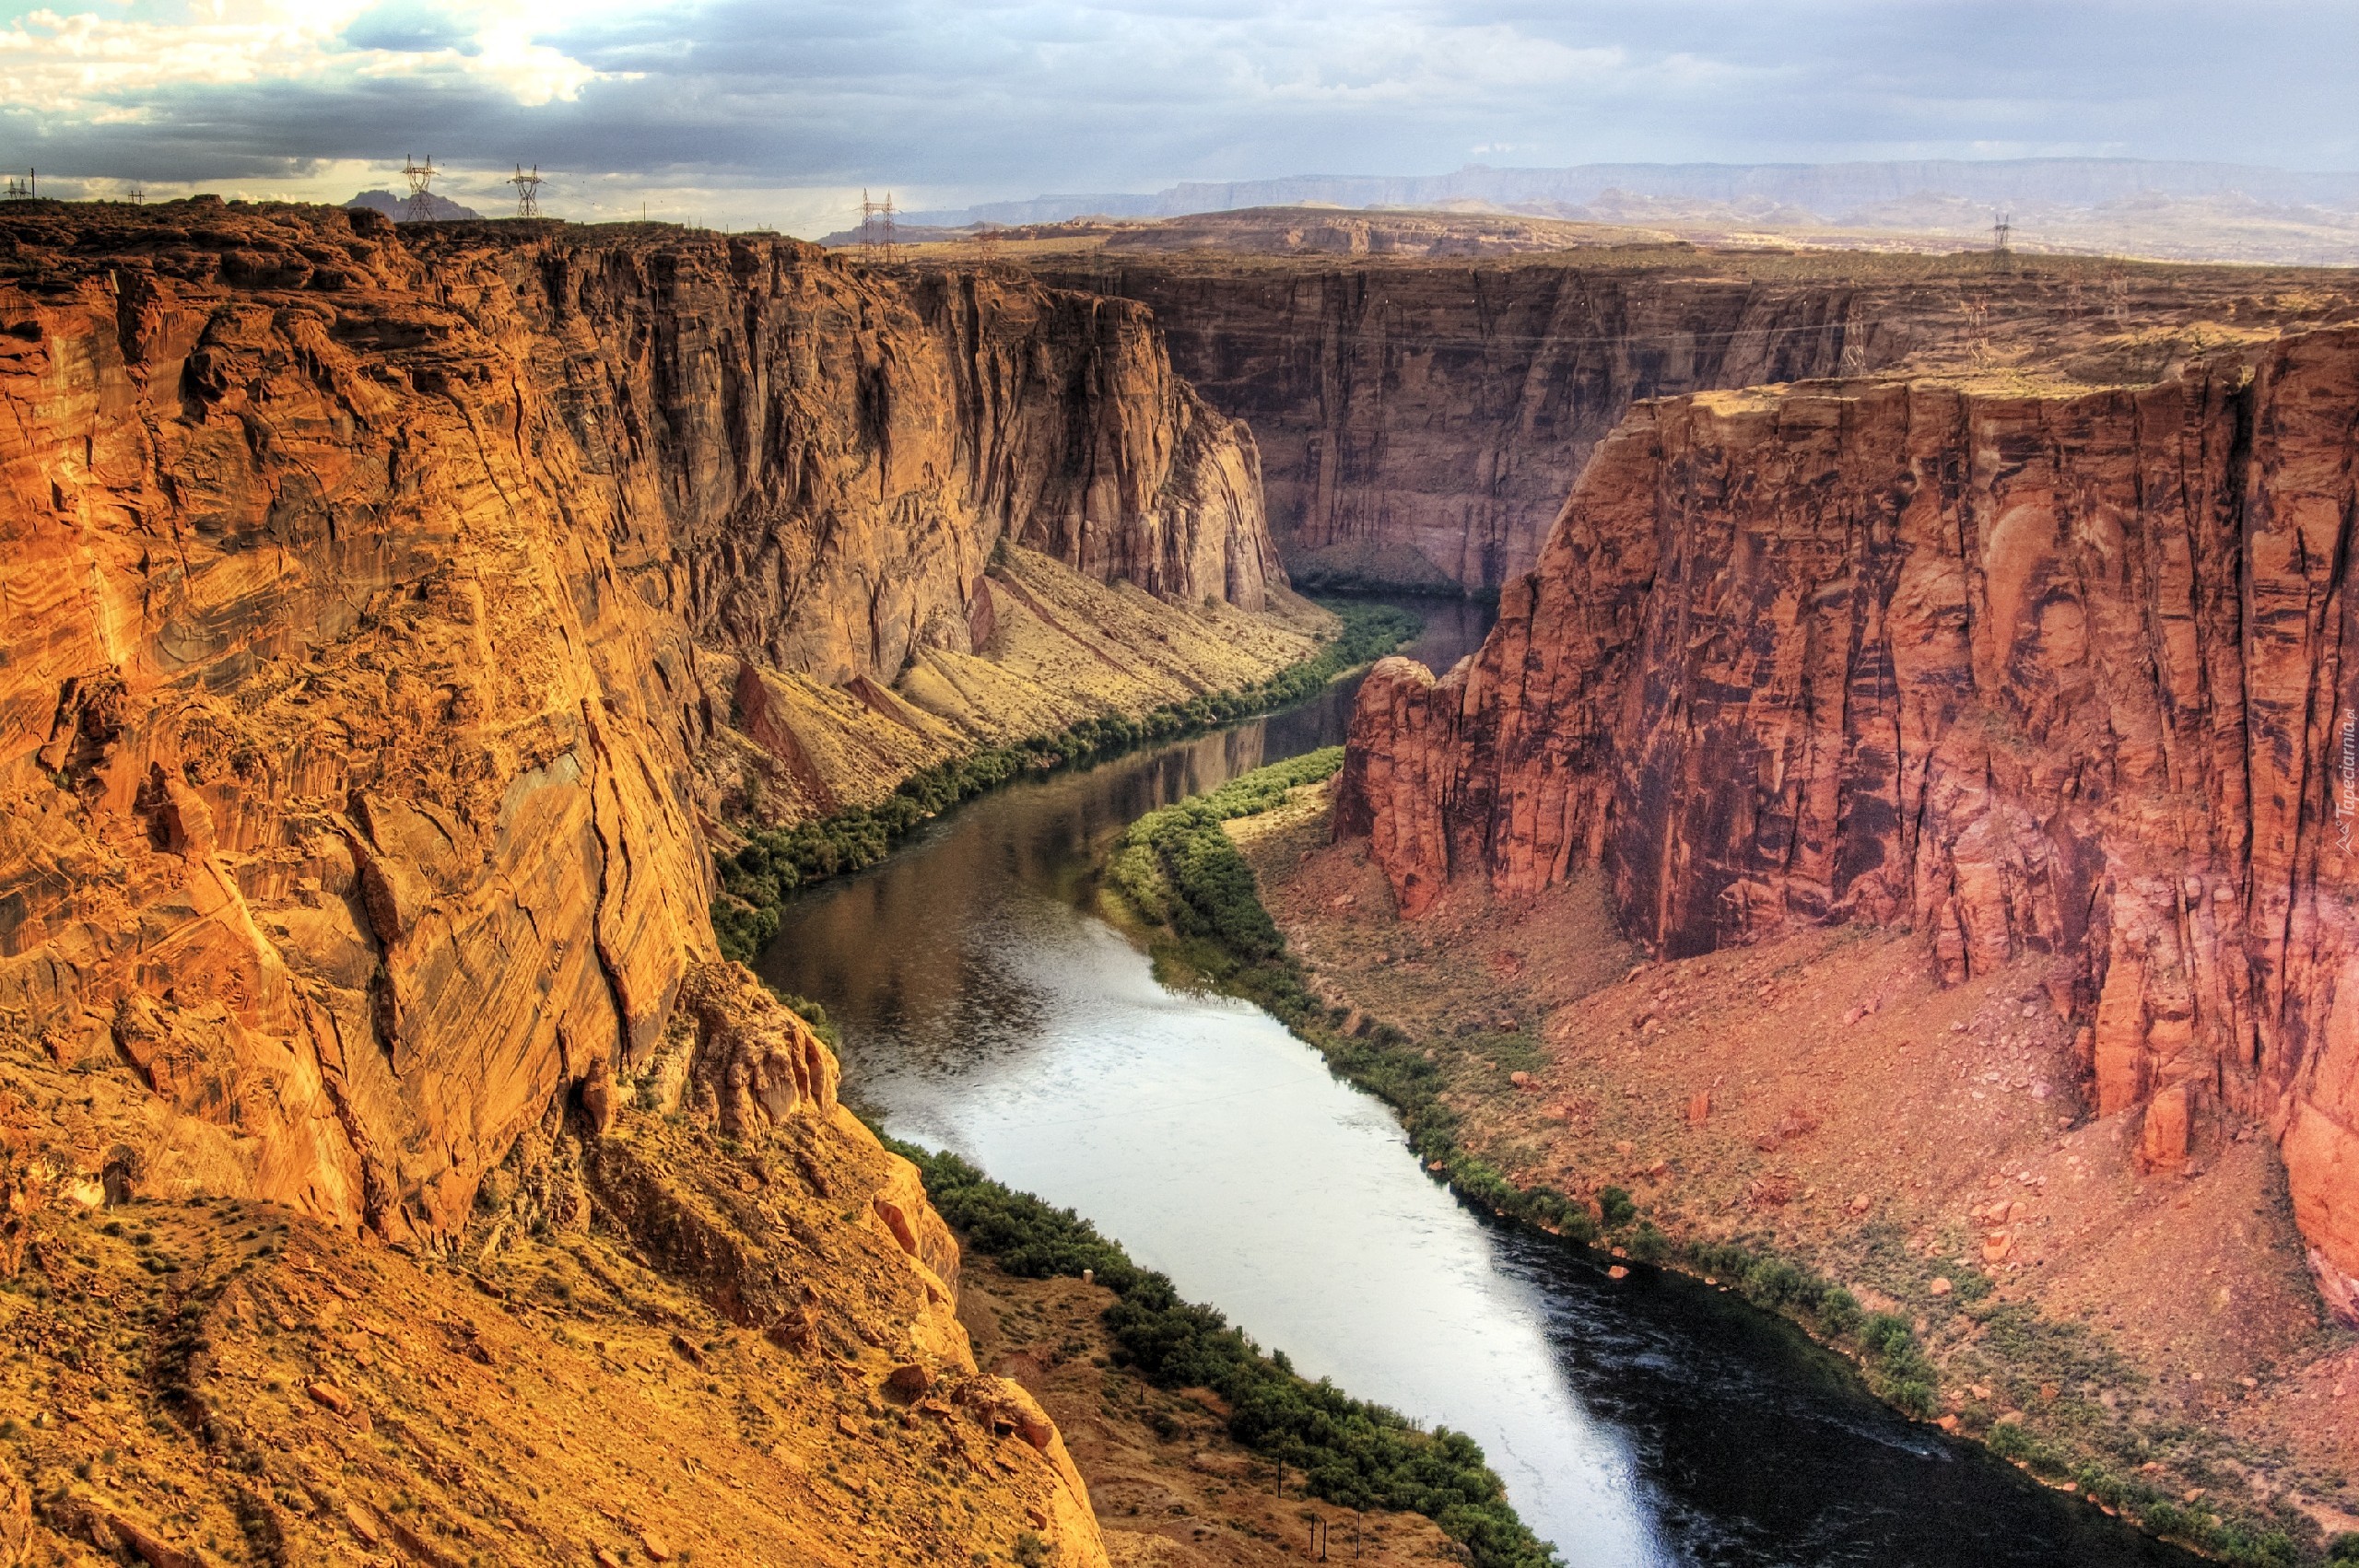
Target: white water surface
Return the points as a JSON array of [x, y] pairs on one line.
[[1189, 1122]]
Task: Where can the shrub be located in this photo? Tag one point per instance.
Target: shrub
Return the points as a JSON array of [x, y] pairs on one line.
[[1886, 1332], [1838, 1311], [1178, 869], [1773, 1281], [1615, 1207]]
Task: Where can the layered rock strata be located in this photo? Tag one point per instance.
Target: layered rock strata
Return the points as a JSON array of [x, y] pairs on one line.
[[362, 594], [2047, 674], [646, 1344], [1420, 422]]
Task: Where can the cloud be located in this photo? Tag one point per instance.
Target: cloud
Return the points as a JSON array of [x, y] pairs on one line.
[[110, 69], [736, 110]]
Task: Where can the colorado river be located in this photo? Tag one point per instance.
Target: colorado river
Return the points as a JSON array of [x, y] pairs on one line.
[[1652, 1421]]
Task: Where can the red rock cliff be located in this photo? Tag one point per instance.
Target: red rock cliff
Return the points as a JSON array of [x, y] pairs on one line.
[[349, 606], [1421, 421], [2064, 674]]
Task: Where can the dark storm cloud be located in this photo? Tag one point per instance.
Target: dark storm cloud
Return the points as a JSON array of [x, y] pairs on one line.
[[1010, 99]]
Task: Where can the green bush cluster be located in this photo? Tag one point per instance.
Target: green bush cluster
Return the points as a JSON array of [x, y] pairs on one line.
[[758, 879], [2245, 1542], [1775, 1283], [811, 1012], [1179, 870], [1351, 1453]]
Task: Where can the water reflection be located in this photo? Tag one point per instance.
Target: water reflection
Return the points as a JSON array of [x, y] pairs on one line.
[[1644, 1421]]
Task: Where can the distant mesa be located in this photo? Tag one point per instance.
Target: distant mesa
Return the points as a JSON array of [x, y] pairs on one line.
[[2172, 211], [397, 208]]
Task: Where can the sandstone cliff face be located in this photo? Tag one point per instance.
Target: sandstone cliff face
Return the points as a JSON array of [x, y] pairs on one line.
[[350, 665], [2032, 675], [832, 456], [1420, 423], [654, 1344]]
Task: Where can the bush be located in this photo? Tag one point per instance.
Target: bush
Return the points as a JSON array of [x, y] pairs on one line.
[[1614, 1208], [1913, 1396], [1884, 1333], [1838, 1311], [1177, 868]]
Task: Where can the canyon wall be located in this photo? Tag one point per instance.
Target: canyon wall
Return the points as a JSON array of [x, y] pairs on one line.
[[2054, 675], [1420, 423], [360, 595]]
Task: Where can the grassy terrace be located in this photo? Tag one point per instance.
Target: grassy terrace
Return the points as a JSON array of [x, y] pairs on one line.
[[757, 881]]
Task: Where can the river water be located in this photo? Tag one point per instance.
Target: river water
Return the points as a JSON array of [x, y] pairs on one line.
[[1652, 1421]]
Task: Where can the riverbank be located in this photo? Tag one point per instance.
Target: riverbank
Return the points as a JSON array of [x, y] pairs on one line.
[[1171, 1488], [1342, 1451], [1488, 1031], [773, 862]]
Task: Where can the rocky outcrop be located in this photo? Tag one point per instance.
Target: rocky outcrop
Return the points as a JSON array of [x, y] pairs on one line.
[[2032, 675], [654, 1340], [360, 591], [1421, 422], [834, 456]]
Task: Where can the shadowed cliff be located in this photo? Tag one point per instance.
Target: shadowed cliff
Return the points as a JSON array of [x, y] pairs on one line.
[[1422, 419]]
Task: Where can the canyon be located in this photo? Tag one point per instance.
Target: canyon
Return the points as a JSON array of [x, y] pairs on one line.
[[392, 623], [1424, 390], [2050, 684], [398, 622], [371, 609], [2059, 675]]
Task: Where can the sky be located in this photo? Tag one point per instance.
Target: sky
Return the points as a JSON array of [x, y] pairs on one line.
[[739, 114]]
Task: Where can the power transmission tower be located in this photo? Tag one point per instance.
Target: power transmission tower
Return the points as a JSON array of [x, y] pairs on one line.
[[528, 190], [419, 209], [23, 189], [876, 227], [987, 242], [138, 195], [2002, 230]]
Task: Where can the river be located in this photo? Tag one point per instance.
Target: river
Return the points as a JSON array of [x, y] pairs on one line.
[[1647, 1421]]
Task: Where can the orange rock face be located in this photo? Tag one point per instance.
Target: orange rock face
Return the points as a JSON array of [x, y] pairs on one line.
[[2031, 674], [352, 590]]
